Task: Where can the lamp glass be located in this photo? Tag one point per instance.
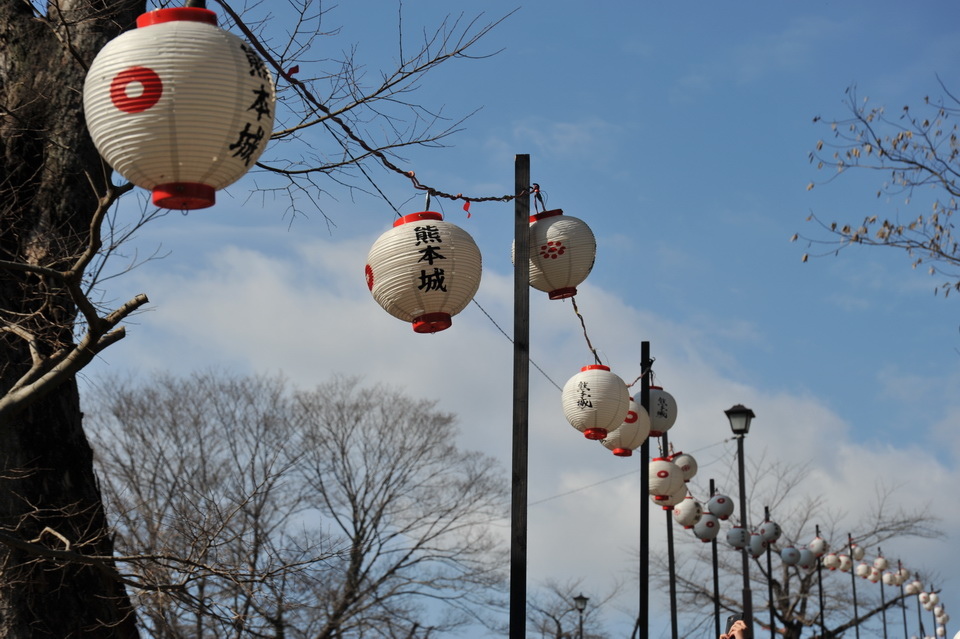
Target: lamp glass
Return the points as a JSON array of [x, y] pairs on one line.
[[740, 417]]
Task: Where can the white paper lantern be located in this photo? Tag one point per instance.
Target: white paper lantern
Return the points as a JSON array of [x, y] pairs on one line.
[[889, 578], [631, 434], [808, 560], [911, 588], [688, 512], [595, 401], [562, 252], [666, 479], [934, 598], [818, 546], [857, 552], [687, 464], [923, 598], [845, 563], [874, 576], [721, 506], [830, 561], [738, 537], [881, 563], [707, 528], [790, 556], [663, 411], [179, 106], [862, 570], [671, 500], [904, 574], [424, 271], [757, 545], [770, 531]]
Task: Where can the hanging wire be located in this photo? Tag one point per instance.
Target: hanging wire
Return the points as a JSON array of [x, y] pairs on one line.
[[576, 310], [646, 371]]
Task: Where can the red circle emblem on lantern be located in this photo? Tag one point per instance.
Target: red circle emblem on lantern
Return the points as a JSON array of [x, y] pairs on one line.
[[152, 89], [662, 473], [369, 273]]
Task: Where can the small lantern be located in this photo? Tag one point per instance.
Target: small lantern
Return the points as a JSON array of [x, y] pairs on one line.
[[889, 579], [738, 537], [862, 570], [687, 464], [845, 563], [721, 506], [830, 561], [663, 411], [790, 556], [707, 528], [179, 106], [934, 598], [595, 401], [631, 434], [673, 498], [424, 271], [770, 531], [757, 545], [874, 576], [688, 512], [666, 479], [808, 561], [857, 552], [562, 252], [881, 563], [818, 546]]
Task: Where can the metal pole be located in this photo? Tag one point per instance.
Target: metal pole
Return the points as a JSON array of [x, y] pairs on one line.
[[883, 599], [521, 398], [745, 551], [643, 618], [716, 576], [773, 627], [580, 633], [903, 601], [853, 580], [671, 564], [823, 627]]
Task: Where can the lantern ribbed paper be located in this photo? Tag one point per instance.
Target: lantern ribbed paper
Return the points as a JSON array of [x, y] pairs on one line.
[[179, 106], [688, 512], [738, 537], [424, 271], [707, 528], [721, 506], [663, 411], [666, 478], [595, 401], [757, 545], [631, 434], [687, 464], [671, 500], [770, 531], [562, 252], [790, 556]]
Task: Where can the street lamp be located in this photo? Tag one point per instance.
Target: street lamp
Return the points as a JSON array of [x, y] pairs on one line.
[[740, 417], [580, 603]]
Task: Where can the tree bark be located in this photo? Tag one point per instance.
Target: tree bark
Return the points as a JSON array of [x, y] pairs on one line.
[[50, 182]]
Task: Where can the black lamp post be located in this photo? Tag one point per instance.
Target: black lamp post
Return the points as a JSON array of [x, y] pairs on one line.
[[580, 602], [740, 417]]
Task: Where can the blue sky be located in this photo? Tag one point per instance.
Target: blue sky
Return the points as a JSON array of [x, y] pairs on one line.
[[680, 133]]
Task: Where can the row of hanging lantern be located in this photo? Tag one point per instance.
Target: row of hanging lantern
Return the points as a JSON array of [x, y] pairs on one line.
[[426, 270], [179, 106]]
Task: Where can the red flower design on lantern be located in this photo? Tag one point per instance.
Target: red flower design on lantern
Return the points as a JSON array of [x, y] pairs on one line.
[[552, 250]]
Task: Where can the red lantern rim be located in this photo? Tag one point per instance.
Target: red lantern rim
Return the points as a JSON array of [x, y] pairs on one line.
[[595, 433], [594, 367], [432, 322], [177, 14], [184, 196], [416, 217], [622, 452], [563, 293], [545, 215]]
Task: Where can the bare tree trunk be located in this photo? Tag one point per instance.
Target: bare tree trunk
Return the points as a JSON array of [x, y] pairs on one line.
[[51, 179]]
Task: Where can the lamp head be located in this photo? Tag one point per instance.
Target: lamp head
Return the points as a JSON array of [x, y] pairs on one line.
[[580, 602], [740, 417]]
